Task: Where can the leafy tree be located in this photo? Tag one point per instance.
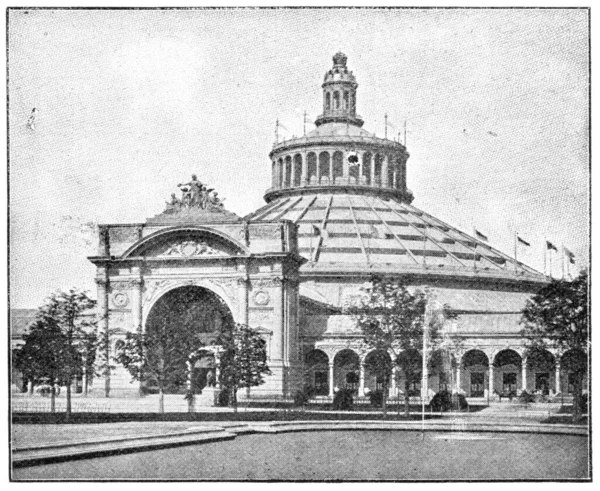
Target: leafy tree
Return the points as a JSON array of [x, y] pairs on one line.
[[558, 317], [159, 356], [392, 320], [59, 338], [243, 360]]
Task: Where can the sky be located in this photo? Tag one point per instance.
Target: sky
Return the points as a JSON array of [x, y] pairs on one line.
[[130, 103]]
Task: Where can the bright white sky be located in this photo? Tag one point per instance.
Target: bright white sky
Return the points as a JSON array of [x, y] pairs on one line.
[[130, 103]]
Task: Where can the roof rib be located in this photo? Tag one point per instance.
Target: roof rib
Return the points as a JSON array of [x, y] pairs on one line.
[[323, 225], [391, 231], [362, 245]]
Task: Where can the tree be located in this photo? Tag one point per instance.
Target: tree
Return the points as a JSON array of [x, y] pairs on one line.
[[243, 360], [55, 347], [558, 317], [159, 356], [392, 320]]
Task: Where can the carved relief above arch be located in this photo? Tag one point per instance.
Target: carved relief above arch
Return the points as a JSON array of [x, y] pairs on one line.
[[187, 241], [224, 288]]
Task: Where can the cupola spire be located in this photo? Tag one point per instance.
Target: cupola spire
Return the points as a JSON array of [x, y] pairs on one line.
[[339, 94]]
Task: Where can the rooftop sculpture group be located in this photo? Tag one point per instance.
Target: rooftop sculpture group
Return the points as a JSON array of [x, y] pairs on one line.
[[195, 194]]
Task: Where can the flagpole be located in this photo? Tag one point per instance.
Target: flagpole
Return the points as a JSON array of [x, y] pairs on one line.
[[277, 131], [405, 132], [562, 260], [386, 126], [545, 253], [305, 122], [516, 235], [550, 259]]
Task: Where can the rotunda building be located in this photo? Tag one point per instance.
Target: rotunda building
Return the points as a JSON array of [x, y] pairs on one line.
[[338, 211], [346, 190]]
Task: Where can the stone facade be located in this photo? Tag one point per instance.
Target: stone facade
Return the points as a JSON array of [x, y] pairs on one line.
[[338, 210]]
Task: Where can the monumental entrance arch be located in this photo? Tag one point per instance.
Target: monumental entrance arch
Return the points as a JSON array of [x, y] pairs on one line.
[[198, 263]]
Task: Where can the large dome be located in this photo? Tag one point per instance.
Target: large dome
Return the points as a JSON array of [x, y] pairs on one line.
[[346, 190], [354, 233]]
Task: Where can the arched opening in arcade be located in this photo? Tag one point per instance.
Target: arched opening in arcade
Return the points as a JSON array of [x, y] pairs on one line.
[[346, 366], [441, 367], [573, 370], [475, 365], [180, 323], [508, 376], [540, 375], [410, 363], [316, 364], [378, 365]]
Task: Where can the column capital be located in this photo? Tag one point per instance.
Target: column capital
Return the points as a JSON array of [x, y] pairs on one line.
[[101, 282]]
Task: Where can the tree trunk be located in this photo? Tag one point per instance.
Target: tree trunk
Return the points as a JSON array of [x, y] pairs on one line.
[[577, 389], [384, 397], [85, 382], [30, 386], [53, 398], [234, 398], [406, 398], [68, 412], [161, 400]]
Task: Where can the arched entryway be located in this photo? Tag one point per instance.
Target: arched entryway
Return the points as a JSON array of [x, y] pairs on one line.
[[378, 367], [573, 370], [346, 365], [540, 372], [472, 381], [410, 368], [442, 368], [317, 371], [508, 376], [181, 322]]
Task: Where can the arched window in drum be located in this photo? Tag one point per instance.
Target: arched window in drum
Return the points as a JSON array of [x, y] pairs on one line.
[[338, 165], [367, 158], [297, 169], [324, 166], [311, 167]]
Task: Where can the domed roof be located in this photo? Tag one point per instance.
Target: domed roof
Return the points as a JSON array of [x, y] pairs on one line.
[[349, 233], [339, 129]]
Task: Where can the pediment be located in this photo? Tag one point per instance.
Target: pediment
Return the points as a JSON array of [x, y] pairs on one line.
[[185, 244]]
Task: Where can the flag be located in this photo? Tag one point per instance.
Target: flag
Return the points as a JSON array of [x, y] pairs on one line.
[[353, 159], [551, 246], [523, 241], [316, 230], [31, 121], [479, 235], [391, 125], [570, 255]]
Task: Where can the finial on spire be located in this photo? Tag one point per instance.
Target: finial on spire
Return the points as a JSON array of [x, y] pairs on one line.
[[340, 59]]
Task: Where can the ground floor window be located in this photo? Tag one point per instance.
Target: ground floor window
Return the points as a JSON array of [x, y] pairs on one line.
[[414, 388], [444, 383], [509, 383], [477, 381], [352, 381], [572, 379], [321, 383], [379, 382], [542, 382]]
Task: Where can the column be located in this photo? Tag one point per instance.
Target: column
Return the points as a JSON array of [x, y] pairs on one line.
[[458, 381], [524, 375], [136, 299], [331, 365], [277, 345], [361, 379], [346, 171], [283, 173], [102, 313], [393, 185], [491, 381], [360, 167], [293, 171], [243, 300], [384, 171], [557, 378], [304, 177]]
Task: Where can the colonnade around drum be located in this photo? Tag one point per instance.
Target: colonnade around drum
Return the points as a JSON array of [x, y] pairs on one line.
[[330, 167], [469, 372]]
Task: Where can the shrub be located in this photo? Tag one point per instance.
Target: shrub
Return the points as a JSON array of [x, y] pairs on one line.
[[224, 395], [342, 400], [303, 396], [376, 398], [442, 401], [584, 403], [526, 397]]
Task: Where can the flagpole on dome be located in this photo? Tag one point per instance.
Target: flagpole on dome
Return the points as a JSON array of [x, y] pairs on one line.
[[545, 254], [516, 237], [562, 260], [277, 130]]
